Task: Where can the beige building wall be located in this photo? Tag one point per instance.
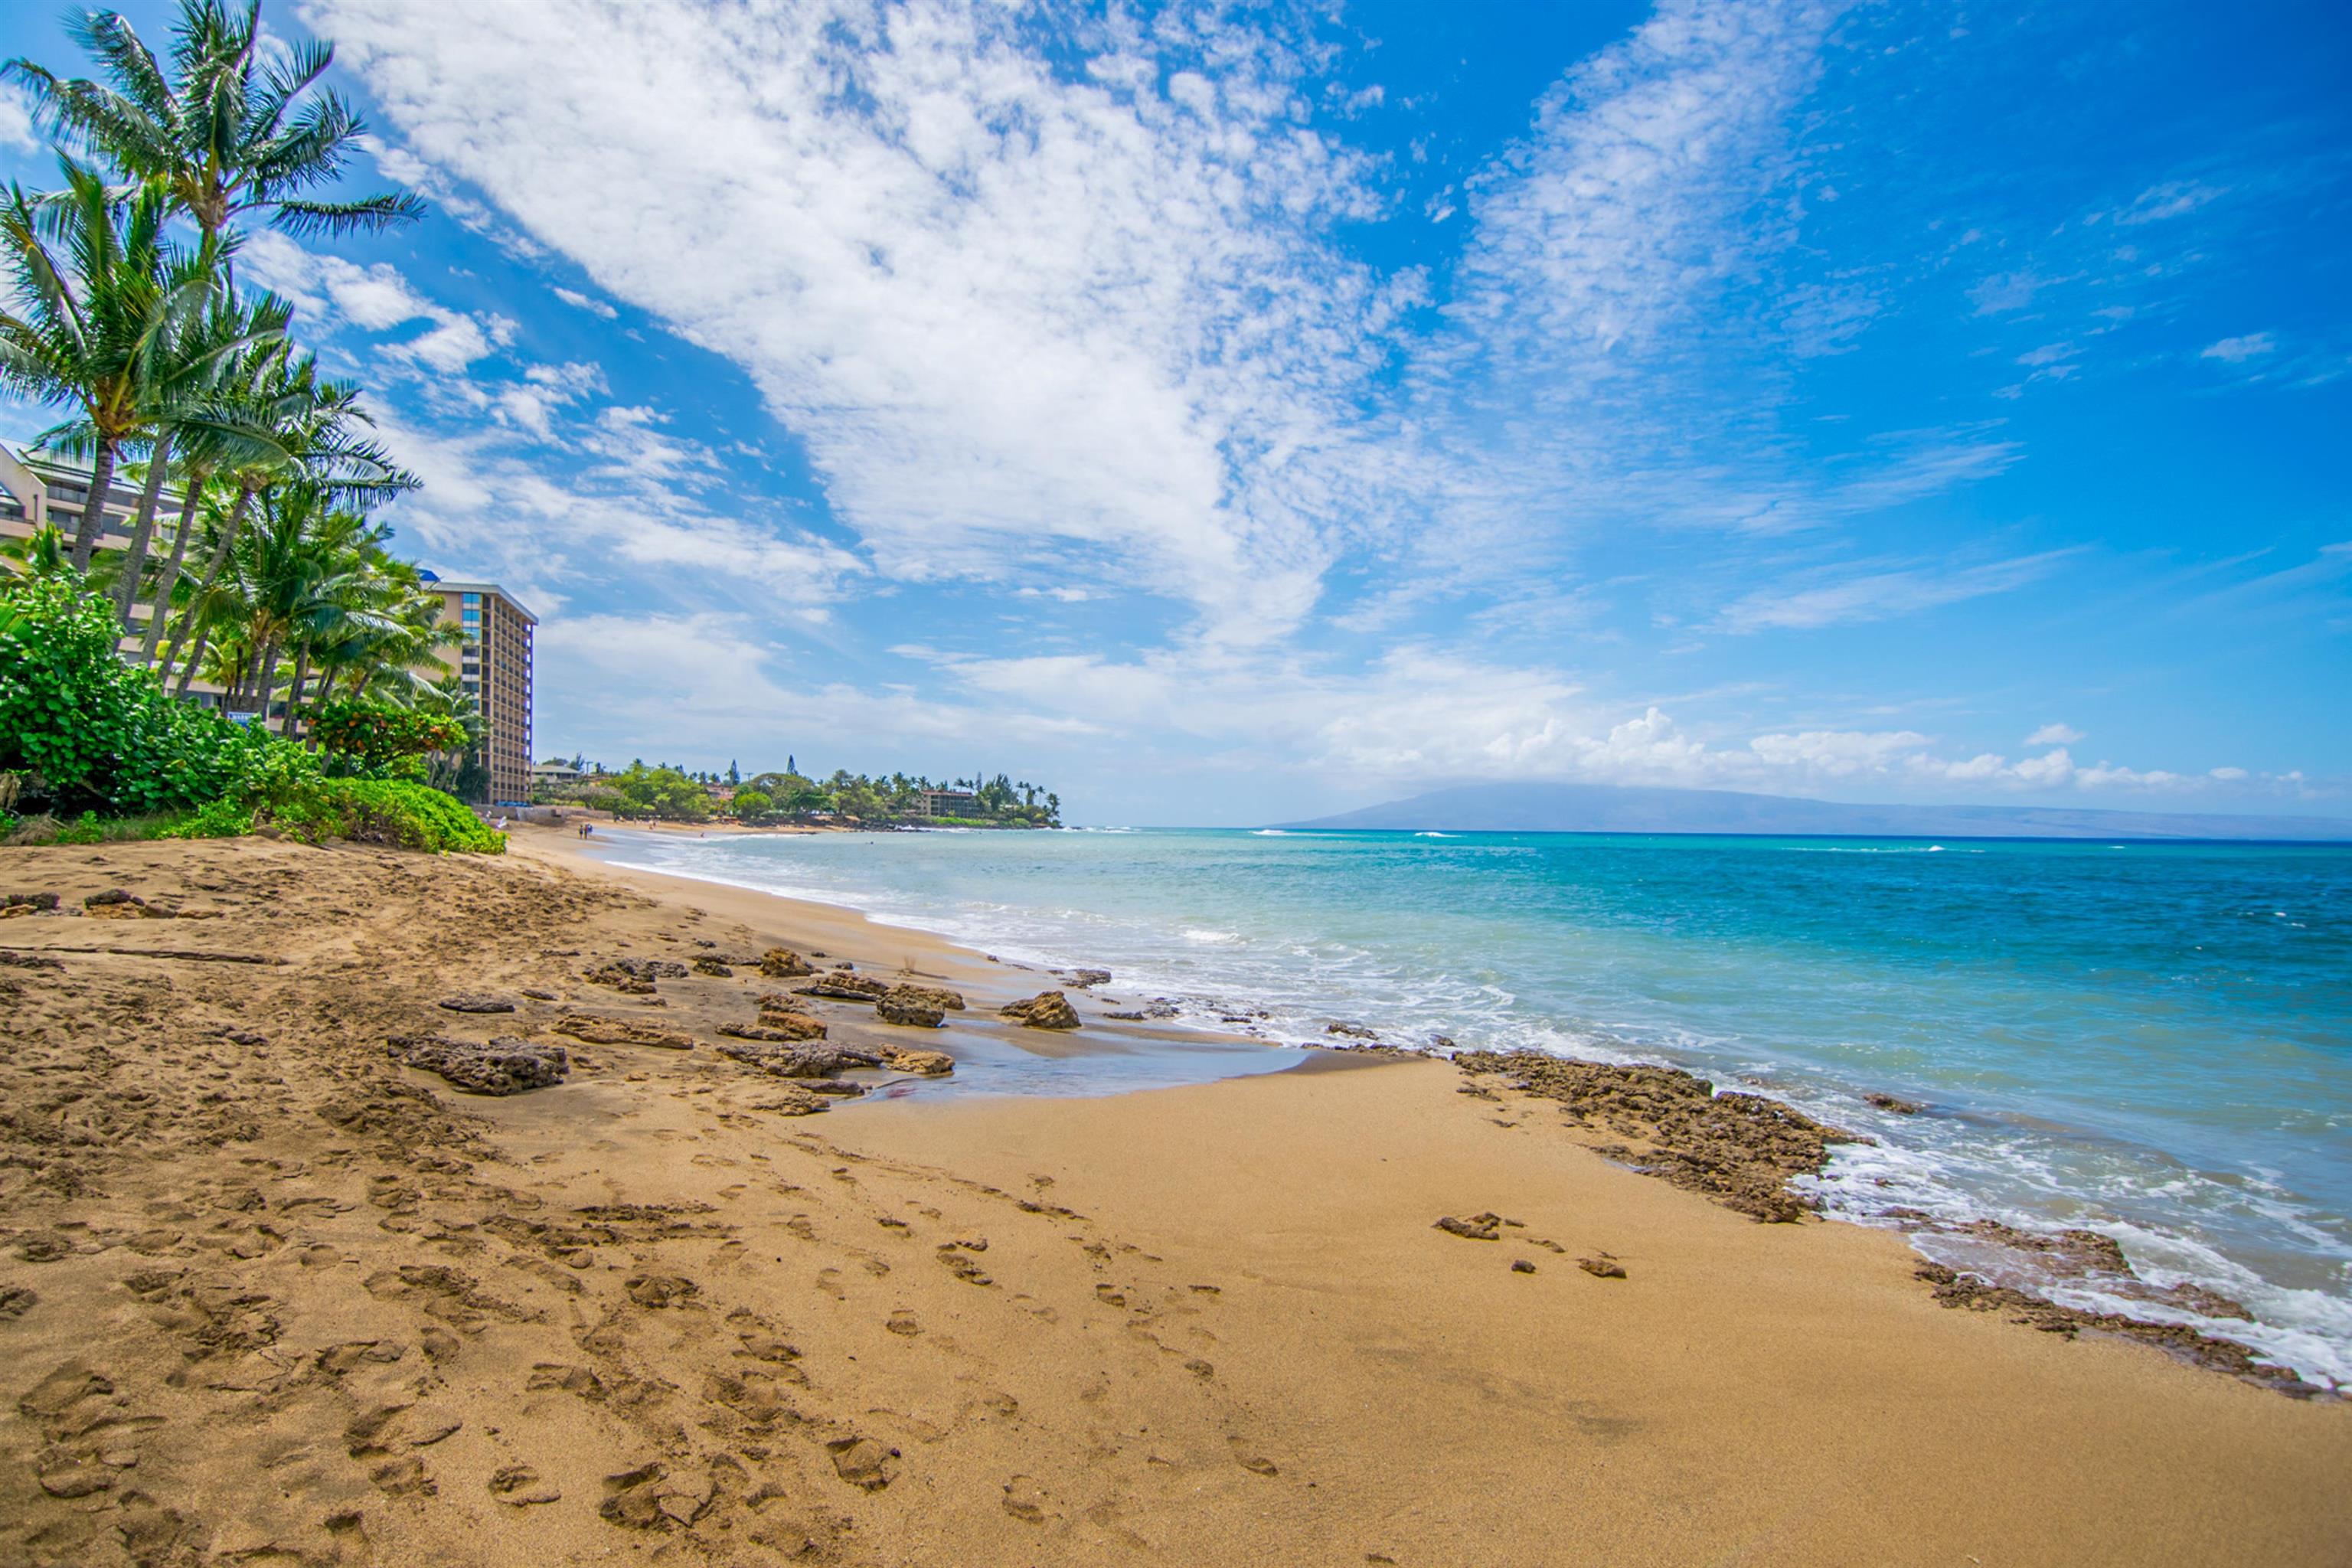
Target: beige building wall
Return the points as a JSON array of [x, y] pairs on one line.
[[494, 662]]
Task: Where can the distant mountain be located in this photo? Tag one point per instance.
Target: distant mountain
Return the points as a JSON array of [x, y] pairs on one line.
[[1616, 808]]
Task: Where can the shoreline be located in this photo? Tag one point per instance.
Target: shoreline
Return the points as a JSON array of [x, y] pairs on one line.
[[268, 1288], [1976, 1261]]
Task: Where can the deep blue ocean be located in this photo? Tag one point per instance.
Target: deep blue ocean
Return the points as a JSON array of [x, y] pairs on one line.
[[2150, 1040]]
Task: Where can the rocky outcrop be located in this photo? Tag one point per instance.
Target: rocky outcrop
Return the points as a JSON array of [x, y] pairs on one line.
[[116, 904], [844, 985], [1477, 1227], [1083, 979], [634, 975], [1738, 1149], [1895, 1104], [1047, 1010], [716, 968], [475, 1002], [909, 1006], [503, 1065], [601, 1031], [784, 964], [927, 1064], [784, 1026], [802, 1061]]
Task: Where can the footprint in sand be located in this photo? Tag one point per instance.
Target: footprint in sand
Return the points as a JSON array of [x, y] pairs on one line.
[[659, 1291], [518, 1485], [862, 1462], [904, 1324], [1023, 1501]]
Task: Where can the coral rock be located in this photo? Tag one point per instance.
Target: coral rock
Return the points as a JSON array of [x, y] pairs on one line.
[[504, 1066], [1047, 1010]]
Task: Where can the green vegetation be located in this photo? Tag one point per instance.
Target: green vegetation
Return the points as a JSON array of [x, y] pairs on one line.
[[666, 794], [167, 373], [383, 811]]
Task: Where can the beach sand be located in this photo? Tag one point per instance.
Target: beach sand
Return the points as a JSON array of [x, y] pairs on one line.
[[266, 1295]]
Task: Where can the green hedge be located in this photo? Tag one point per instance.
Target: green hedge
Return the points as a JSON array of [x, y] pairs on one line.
[[383, 811]]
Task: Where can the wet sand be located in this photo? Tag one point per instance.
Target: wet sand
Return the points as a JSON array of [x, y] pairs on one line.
[[267, 1295]]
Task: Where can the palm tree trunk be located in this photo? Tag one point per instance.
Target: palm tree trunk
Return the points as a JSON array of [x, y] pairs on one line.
[[294, 696], [212, 575], [268, 680], [169, 581], [196, 657], [134, 558], [93, 512]]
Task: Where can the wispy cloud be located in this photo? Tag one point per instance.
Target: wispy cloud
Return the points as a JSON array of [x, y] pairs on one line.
[[1818, 599], [2238, 350]]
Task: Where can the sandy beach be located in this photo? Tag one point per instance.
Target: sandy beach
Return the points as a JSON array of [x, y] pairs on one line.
[[269, 1294]]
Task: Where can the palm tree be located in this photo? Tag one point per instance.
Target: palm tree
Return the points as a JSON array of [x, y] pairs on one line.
[[295, 429], [225, 134], [98, 294], [182, 405], [229, 427]]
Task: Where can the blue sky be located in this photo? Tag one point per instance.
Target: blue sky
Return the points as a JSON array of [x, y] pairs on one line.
[[1230, 413]]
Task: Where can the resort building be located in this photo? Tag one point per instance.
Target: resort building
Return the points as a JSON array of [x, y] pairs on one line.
[[39, 490], [950, 802], [493, 661]]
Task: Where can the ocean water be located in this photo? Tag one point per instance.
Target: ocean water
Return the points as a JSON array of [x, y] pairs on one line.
[[2153, 1041]]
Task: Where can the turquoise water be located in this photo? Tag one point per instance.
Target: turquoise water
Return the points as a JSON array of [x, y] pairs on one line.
[[2151, 1040]]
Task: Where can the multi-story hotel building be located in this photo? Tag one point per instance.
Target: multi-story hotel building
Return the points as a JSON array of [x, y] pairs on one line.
[[493, 661]]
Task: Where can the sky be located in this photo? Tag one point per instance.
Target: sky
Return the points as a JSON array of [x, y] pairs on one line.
[[1223, 414]]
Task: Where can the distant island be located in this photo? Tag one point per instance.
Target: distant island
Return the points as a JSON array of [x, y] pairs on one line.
[[789, 798], [1618, 808]]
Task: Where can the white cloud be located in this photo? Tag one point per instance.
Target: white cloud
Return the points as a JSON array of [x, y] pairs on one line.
[[375, 297], [1813, 601], [2237, 351], [2054, 735], [16, 122], [577, 300], [1423, 714], [1004, 302], [2175, 198], [489, 508]]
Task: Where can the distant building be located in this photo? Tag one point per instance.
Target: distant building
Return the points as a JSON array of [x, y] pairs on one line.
[[39, 490], [493, 661], [555, 772], [950, 802]]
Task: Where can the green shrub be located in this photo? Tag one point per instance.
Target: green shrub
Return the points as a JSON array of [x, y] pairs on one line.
[[382, 811], [752, 803], [381, 736], [41, 828], [216, 819], [89, 733]]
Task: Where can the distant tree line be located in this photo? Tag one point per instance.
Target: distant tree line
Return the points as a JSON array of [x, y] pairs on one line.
[[661, 792]]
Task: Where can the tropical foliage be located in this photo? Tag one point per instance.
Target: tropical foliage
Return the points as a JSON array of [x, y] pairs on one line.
[[677, 794], [380, 735], [269, 575]]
